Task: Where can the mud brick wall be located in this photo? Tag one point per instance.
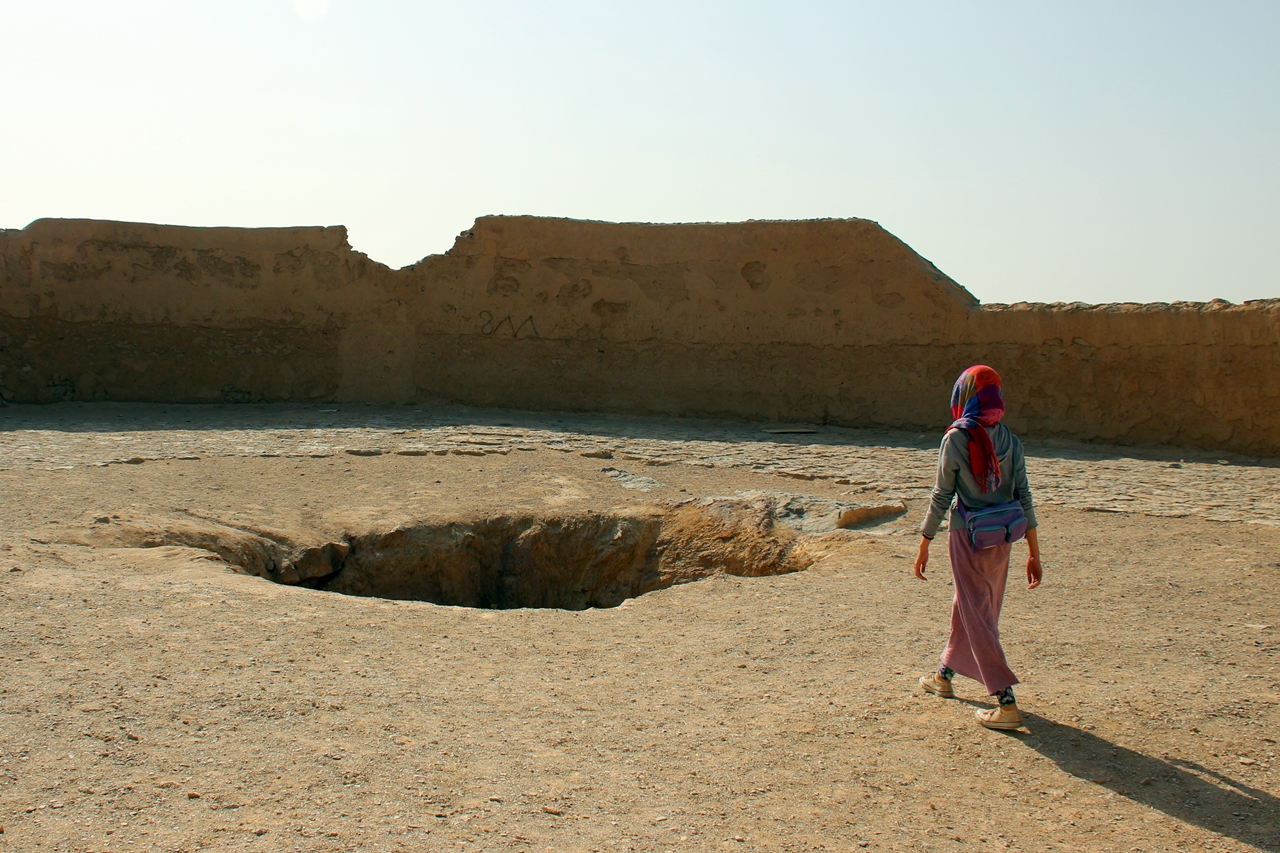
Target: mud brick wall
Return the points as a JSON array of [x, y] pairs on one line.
[[833, 321]]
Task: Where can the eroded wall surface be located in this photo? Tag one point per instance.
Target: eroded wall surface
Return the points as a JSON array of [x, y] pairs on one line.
[[828, 321]]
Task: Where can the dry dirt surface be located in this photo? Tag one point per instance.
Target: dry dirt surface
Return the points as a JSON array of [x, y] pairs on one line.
[[157, 698]]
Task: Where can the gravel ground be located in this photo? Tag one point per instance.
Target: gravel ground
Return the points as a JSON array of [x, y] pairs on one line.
[[154, 699]]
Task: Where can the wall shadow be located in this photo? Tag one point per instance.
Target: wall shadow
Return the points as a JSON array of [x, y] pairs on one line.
[[143, 417], [1181, 789]]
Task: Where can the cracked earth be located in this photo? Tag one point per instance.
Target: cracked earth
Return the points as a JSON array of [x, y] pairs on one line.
[[156, 699]]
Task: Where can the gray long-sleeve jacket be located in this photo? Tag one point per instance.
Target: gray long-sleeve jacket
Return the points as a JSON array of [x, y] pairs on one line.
[[956, 479]]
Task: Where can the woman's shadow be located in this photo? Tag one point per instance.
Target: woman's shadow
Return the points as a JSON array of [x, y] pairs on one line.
[[1181, 789]]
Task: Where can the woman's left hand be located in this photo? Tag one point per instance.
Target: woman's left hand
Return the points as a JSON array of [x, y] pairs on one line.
[[922, 558]]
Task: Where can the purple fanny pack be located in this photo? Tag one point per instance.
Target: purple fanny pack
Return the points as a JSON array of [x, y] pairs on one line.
[[993, 525]]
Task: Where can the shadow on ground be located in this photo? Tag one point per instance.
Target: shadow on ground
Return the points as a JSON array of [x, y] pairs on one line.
[[1181, 789], [113, 417]]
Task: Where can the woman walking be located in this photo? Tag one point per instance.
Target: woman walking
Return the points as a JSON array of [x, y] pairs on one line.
[[981, 466]]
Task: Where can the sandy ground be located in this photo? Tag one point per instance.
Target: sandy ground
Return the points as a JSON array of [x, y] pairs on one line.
[[154, 699]]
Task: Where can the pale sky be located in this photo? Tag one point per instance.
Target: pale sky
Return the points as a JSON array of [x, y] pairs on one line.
[[1043, 152]]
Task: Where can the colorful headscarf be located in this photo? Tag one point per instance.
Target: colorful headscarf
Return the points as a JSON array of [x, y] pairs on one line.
[[976, 402]]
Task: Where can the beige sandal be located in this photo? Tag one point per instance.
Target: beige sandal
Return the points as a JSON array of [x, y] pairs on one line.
[[991, 718], [931, 683]]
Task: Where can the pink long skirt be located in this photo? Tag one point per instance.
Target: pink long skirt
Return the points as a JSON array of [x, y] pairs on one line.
[[974, 647]]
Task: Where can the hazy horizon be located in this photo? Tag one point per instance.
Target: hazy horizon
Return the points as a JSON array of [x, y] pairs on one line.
[[1096, 153]]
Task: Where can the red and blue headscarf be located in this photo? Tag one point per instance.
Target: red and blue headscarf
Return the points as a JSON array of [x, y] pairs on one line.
[[976, 402]]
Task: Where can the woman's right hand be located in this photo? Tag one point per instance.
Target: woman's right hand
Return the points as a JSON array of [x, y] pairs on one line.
[[922, 558], [1035, 572]]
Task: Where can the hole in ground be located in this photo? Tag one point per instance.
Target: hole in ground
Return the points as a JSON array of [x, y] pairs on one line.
[[572, 561]]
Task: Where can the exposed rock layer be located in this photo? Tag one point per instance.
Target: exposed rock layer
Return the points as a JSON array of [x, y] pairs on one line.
[[567, 561], [833, 321]]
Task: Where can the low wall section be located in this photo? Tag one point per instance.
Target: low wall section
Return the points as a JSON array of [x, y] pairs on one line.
[[829, 321]]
